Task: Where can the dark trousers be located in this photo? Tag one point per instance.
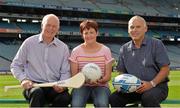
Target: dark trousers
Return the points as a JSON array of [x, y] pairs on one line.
[[150, 98], [39, 97]]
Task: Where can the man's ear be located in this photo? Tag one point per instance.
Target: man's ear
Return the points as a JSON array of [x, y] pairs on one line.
[[146, 28], [41, 26]]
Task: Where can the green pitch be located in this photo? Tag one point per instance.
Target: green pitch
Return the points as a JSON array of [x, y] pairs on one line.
[[174, 87]]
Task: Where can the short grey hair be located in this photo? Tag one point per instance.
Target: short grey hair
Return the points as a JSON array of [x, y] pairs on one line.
[[138, 17], [47, 16]]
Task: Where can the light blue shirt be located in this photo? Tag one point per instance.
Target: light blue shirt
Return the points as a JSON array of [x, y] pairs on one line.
[[41, 62]]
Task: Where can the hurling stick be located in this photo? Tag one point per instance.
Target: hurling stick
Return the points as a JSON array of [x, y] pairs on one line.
[[73, 82]]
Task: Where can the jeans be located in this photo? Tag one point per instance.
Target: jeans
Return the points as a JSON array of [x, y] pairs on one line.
[[98, 94]]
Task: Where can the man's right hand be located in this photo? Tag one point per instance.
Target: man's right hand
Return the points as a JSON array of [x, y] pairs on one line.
[[26, 84], [146, 85]]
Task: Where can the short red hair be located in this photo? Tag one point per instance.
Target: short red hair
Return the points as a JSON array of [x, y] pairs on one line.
[[87, 24]]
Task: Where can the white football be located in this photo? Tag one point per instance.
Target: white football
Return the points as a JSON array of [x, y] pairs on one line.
[[92, 71], [126, 83]]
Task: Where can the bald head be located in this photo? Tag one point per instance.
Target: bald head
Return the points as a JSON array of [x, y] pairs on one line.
[[139, 18], [137, 28], [49, 16]]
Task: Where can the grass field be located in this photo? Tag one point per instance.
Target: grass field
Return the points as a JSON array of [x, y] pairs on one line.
[[174, 87]]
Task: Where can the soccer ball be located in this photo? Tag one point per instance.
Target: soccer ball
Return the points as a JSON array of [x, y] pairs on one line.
[[126, 83], [91, 72]]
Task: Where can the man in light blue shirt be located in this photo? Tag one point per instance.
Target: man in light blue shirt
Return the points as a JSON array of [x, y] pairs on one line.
[[43, 58]]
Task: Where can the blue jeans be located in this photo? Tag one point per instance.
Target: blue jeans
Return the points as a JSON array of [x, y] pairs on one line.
[[99, 95]]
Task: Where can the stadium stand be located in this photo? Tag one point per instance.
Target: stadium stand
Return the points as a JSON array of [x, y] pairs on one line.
[[112, 16], [8, 25], [143, 7], [174, 55], [4, 65], [29, 27]]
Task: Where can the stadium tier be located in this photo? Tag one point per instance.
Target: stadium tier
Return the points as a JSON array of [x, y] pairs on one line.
[[168, 8], [8, 49], [20, 19], [34, 28]]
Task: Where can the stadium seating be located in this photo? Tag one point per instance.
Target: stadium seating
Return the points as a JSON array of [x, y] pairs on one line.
[[108, 28], [173, 53], [4, 65], [34, 28], [142, 7], [8, 51], [29, 27], [8, 25]]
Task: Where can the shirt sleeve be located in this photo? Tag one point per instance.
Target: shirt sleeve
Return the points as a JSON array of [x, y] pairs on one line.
[[65, 69], [19, 62], [73, 56], [161, 56], [120, 65], [108, 56]]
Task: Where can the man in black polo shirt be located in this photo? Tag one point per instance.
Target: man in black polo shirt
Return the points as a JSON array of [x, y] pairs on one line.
[[147, 59]]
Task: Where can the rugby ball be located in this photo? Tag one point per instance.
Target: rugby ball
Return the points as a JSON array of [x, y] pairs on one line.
[[92, 72], [126, 83]]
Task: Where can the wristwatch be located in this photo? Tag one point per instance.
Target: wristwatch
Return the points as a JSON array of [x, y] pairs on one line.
[[153, 84]]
